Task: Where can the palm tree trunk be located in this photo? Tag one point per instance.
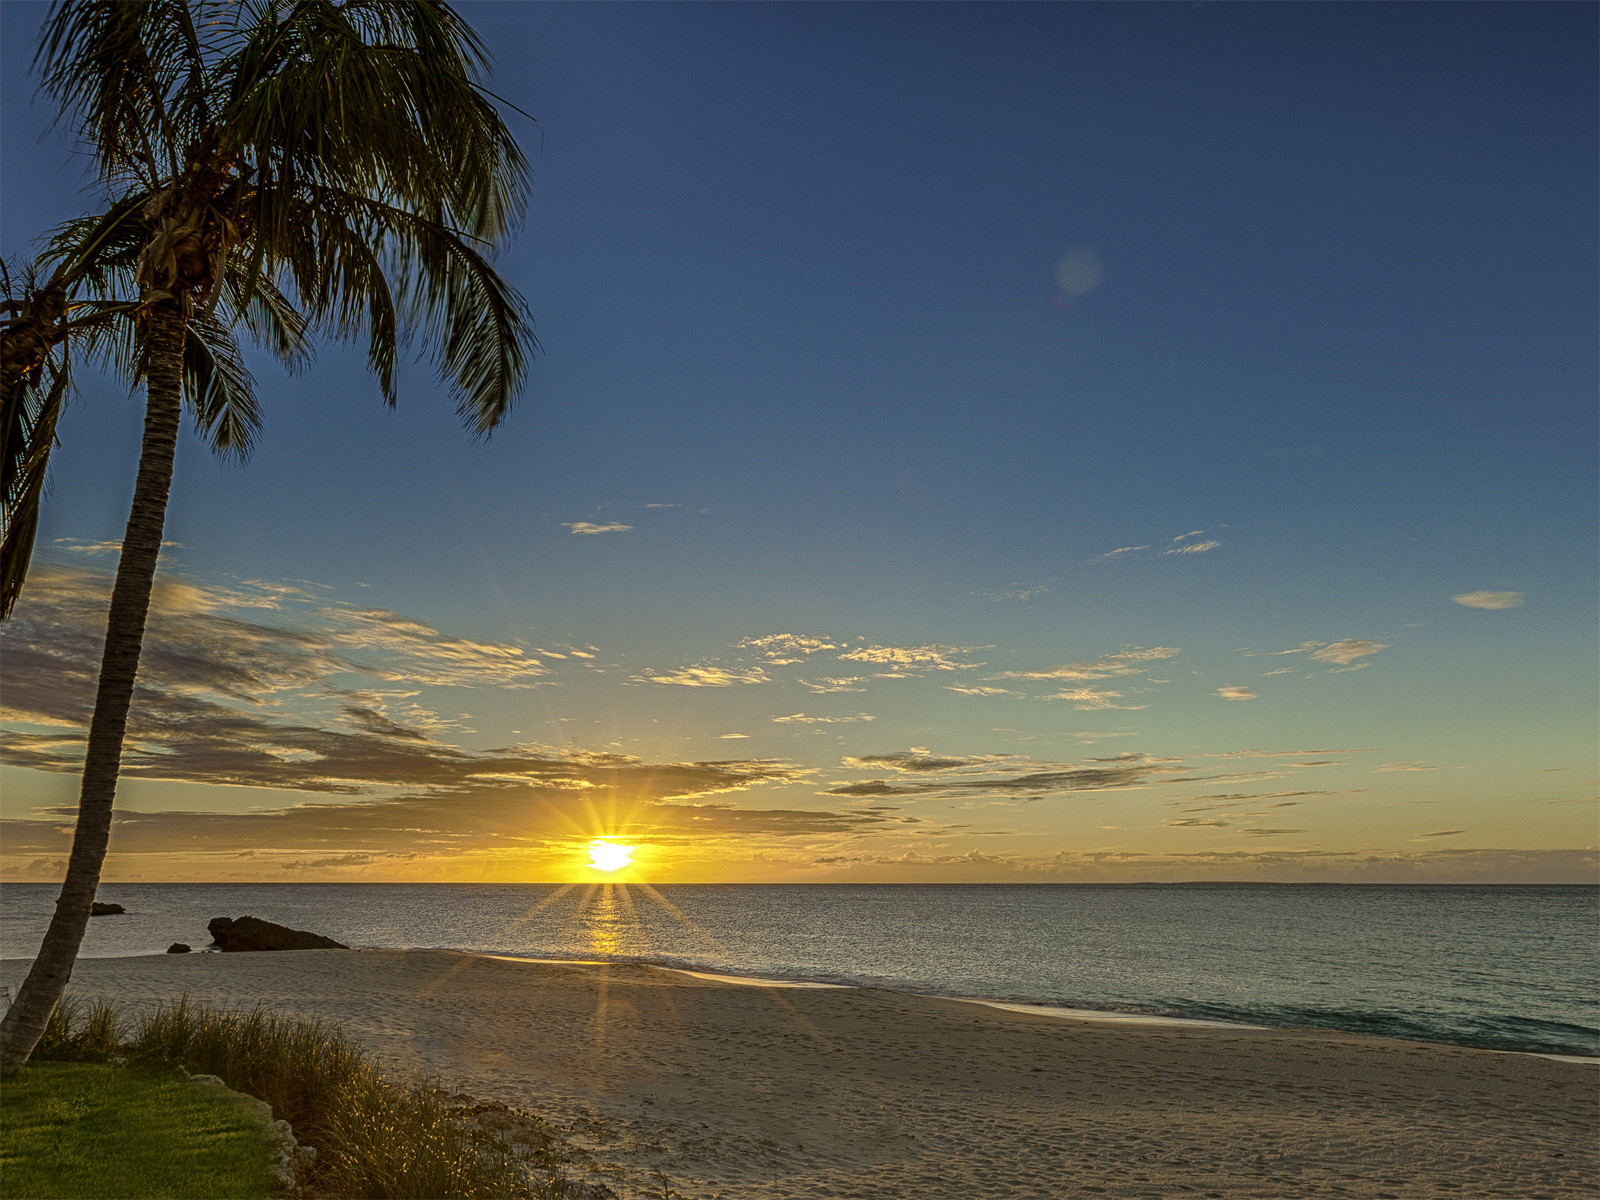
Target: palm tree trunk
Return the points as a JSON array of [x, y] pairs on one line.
[[130, 603]]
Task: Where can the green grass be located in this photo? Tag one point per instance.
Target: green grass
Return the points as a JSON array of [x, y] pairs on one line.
[[375, 1138], [96, 1131]]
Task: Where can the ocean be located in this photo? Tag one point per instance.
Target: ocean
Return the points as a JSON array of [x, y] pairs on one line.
[[1508, 968]]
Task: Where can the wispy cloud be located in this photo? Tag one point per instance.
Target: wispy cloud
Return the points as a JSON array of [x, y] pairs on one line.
[[705, 676], [1441, 833], [1214, 801], [1117, 553], [935, 658], [782, 649], [1278, 753], [979, 690], [919, 760], [1133, 660], [1408, 766], [826, 685], [1346, 651], [955, 776], [1235, 692], [590, 527], [1016, 592], [1093, 699], [800, 718], [1182, 544], [1343, 653], [80, 546], [1489, 599]]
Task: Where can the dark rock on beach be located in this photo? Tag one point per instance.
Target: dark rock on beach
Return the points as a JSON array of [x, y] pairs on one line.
[[252, 933], [178, 948], [99, 909]]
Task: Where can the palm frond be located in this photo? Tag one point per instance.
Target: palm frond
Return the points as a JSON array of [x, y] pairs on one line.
[[473, 325], [114, 66], [219, 389], [29, 433]]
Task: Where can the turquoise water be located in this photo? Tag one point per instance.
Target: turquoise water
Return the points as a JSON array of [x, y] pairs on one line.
[[1514, 968]]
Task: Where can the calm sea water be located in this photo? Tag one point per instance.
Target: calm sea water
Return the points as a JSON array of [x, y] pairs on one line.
[[1513, 968]]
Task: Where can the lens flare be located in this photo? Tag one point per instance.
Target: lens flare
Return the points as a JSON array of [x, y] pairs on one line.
[[609, 856]]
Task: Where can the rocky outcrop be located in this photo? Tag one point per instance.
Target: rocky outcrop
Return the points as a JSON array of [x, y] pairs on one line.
[[99, 909], [252, 933], [178, 948]]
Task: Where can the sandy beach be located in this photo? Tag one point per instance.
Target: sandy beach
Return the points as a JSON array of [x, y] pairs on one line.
[[774, 1092]]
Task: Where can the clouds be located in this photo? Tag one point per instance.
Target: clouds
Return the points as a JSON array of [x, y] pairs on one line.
[[204, 657], [1117, 553], [771, 652], [835, 683], [577, 800], [777, 650], [1343, 654], [1093, 699], [785, 649], [1182, 545], [1010, 776], [936, 658], [1128, 661], [800, 718], [589, 528], [1490, 600], [918, 760], [706, 676], [225, 700], [1234, 692]]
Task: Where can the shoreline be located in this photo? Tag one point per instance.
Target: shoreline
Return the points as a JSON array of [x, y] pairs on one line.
[[748, 1091], [1062, 1010]]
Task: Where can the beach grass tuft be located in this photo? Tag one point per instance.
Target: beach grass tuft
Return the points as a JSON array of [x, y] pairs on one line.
[[76, 1034], [373, 1137]]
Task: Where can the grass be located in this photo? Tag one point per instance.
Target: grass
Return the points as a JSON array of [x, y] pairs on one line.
[[374, 1138], [94, 1131]]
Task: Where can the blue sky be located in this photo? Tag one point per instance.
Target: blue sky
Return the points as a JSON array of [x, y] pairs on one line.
[[884, 325]]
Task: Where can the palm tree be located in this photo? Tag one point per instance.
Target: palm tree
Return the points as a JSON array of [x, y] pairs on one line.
[[279, 168]]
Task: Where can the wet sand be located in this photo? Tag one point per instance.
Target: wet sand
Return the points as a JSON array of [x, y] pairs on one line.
[[773, 1093]]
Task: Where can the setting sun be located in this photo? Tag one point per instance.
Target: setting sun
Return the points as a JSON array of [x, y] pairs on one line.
[[609, 856]]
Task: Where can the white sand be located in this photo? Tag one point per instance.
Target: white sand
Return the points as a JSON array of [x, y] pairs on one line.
[[773, 1093]]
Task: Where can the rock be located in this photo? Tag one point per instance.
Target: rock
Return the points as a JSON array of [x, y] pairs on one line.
[[252, 933], [177, 948], [99, 909]]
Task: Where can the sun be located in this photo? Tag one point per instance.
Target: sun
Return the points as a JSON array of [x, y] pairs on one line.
[[609, 856]]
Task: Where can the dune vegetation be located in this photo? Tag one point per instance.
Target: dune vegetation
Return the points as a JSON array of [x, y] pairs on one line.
[[112, 1080]]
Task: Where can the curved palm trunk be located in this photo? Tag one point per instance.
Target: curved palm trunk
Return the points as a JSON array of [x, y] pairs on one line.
[[130, 603]]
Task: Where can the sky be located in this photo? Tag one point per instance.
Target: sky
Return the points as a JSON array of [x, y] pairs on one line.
[[979, 443]]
